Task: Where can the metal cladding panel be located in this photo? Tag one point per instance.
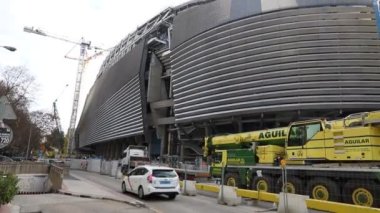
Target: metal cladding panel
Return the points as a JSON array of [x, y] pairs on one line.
[[119, 116], [113, 107], [196, 20], [295, 55]]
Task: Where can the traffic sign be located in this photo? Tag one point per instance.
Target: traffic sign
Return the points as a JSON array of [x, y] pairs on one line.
[[6, 136], [6, 109]]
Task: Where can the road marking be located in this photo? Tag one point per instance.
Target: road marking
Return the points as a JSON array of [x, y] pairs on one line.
[[155, 210]]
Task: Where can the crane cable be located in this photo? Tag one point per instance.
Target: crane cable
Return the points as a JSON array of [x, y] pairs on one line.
[[60, 94]]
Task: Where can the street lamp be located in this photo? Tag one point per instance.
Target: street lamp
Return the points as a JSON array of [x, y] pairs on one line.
[[12, 49]]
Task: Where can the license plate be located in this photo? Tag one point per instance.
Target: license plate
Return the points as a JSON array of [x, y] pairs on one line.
[[165, 182]]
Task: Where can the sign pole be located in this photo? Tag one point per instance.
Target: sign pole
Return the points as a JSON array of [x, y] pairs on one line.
[[27, 150]]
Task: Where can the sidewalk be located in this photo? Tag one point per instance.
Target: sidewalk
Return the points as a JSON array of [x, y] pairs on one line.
[[78, 195], [80, 187]]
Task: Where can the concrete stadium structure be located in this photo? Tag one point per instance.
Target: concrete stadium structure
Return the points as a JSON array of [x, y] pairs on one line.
[[223, 66]]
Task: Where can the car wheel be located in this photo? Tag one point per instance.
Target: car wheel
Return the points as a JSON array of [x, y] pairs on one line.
[[172, 196], [123, 188], [141, 193]]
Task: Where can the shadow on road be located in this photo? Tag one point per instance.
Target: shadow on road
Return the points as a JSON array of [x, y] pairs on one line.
[[152, 198]]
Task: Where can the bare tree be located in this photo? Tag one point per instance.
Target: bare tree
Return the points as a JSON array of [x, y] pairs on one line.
[[44, 122], [56, 139], [18, 85]]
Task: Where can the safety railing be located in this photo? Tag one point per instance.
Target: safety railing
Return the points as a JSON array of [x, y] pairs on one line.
[[319, 205]]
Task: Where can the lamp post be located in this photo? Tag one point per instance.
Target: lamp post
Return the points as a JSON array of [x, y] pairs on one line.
[[12, 49]]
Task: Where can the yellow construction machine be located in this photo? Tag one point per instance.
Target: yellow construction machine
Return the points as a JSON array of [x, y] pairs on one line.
[[329, 160]]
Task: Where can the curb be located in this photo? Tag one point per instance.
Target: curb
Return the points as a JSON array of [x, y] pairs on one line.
[[136, 204], [10, 208]]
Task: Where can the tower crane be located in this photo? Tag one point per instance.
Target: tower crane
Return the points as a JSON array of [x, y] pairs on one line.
[[56, 116], [82, 60], [55, 111]]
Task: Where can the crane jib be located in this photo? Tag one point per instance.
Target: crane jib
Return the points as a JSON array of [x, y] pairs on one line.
[[240, 140]]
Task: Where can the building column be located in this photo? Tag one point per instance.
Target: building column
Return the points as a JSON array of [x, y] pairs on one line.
[[163, 142], [109, 151]]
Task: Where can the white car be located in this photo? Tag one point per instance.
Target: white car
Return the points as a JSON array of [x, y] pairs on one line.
[[150, 180]]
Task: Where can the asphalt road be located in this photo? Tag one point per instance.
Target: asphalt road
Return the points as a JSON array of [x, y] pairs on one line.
[[59, 203], [182, 204]]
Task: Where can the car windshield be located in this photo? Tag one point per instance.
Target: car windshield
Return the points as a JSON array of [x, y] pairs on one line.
[[164, 173]]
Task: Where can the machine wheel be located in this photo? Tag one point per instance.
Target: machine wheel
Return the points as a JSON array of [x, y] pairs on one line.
[[264, 183], [363, 193], [123, 188], [141, 193], [294, 185], [232, 179], [324, 189]]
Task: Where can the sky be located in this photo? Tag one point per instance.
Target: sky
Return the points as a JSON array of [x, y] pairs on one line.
[[103, 22]]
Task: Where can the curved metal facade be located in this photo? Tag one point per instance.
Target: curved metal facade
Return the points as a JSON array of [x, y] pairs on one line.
[[274, 56], [228, 61], [113, 107]]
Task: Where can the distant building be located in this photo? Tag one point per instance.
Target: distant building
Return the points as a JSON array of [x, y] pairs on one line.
[[215, 67]]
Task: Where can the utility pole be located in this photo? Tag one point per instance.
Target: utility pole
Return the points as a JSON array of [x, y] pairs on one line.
[[27, 150]]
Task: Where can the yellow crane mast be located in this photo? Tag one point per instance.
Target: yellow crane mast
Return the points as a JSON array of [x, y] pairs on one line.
[[82, 60]]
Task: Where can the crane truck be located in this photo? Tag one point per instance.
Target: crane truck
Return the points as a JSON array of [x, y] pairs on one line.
[[328, 160], [134, 156]]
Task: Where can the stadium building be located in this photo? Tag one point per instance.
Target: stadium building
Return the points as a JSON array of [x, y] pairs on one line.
[[223, 66]]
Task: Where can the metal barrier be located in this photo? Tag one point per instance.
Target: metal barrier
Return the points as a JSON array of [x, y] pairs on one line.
[[207, 187], [338, 207], [311, 203], [258, 195]]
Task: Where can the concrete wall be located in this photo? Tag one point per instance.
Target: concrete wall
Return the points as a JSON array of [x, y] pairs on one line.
[[110, 168], [36, 177], [23, 168], [78, 164], [114, 168], [34, 183], [106, 167], [93, 165]]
